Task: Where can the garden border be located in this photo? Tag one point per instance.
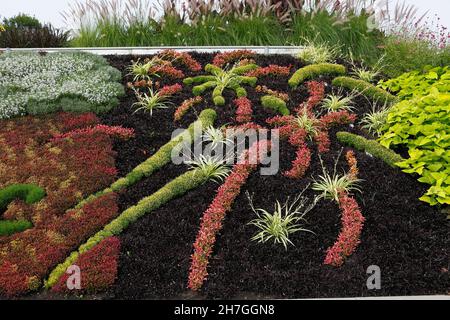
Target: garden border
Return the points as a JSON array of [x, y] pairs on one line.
[[153, 50]]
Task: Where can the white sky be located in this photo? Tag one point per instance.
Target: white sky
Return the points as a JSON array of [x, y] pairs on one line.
[[49, 10]]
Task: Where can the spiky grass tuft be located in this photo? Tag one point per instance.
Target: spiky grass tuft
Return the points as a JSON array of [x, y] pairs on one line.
[[285, 220], [331, 185]]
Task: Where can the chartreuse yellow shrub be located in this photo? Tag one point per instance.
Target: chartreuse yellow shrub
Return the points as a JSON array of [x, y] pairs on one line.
[[419, 83], [315, 70], [27, 192], [365, 88], [421, 122], [370, 146], [423, 126], [177, 187], [159, 159]]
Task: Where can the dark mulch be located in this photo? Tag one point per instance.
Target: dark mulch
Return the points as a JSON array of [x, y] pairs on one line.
[[407, 239]]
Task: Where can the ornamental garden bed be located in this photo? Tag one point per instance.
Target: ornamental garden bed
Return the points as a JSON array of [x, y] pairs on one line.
[[88, 181]]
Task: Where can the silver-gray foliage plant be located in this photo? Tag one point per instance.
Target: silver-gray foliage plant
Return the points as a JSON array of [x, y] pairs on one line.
[[32, 83]]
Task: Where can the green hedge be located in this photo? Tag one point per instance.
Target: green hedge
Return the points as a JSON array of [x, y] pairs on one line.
[[365, 88], [314, 71], [8, 227], [198, 79], [275, 104], [369, 146], [27, 192], [162, 157], [171, 190]]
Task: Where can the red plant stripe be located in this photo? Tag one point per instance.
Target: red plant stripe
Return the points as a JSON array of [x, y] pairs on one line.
[[170, 90], [323, 141], [183, 57], [301, 163], [226, 57], [352, 163], [316, 93], [297, 137], [167, 70], [185, 106], [212, 219], [349, 236], [352, 221], [272, 69], [337, 118], [244, 110]]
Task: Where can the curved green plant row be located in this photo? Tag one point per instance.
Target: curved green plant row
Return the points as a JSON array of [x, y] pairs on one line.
[[275, 104], [314, 71], [27, 192], [38, 84], [221, 80], [160, 158], [8, 227], [177, 187], [365, 88], [370, 146]]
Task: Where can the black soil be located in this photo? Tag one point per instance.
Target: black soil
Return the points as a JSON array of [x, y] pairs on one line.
[[406, 238]]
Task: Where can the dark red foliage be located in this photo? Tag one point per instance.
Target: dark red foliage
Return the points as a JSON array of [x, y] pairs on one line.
[[68, 170], [98, 268], [352, 221], [69, 122], [116, 131]]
